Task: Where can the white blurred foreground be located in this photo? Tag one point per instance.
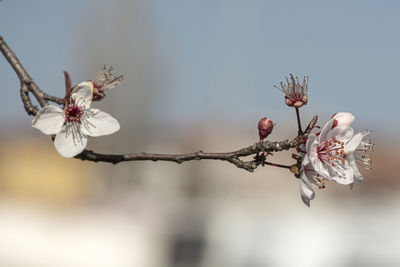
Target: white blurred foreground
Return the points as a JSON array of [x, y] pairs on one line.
[[58, 212]]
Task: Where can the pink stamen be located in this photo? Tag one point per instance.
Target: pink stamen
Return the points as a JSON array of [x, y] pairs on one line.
[[331, 151]]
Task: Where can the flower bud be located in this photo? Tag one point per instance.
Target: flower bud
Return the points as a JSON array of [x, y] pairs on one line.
[[265, 127], [295, 92], [297, 102], [295, 170], [105, 80]]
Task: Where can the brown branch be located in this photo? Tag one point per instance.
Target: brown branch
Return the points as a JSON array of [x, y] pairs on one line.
[[29, 86], [232, 157]]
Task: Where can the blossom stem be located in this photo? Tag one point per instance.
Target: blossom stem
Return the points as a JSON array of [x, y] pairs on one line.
[[300, 132], [67, 86], [276, 165]]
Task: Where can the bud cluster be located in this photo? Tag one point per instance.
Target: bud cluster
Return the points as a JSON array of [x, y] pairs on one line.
[[332, 154]]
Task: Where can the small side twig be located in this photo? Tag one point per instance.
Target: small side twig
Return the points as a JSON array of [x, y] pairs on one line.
[[300, 131], [311, 125]]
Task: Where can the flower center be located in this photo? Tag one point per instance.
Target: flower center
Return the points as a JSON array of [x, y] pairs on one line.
[[331, 151], [73, 113]]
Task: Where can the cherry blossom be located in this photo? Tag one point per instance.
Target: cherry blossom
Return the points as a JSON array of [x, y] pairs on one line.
[[326, 153], [334, 154], [75, 122]]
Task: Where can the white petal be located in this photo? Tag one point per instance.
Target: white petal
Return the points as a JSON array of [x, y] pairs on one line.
[[99, 123], [356, 173], [312, 155], [305, 161], [321, 169], [344, 173], [310, 174], [353, 144], [82, 94], [311, 148], [49, 120], [306, 190], [344, 119], [70, 141], [343, 134], [325, 133]]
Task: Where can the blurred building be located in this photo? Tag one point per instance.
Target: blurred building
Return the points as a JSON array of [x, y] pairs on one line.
[[64, 212]]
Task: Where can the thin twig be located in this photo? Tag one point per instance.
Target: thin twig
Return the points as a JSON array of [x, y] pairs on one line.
[[277, 165], [300, 132], [311, 125], [27, 84]]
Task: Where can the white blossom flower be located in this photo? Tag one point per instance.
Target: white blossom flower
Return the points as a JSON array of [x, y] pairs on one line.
[[73, 124], [327, 155], [295, 92], [333, 155], [308, 177]]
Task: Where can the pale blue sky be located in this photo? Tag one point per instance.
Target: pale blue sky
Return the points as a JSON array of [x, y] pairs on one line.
[[221, 58]]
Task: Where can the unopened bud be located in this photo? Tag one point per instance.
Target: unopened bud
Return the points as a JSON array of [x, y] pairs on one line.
[[295, 91], [105, 79], [297, 102], [295, 169], [265, 127]]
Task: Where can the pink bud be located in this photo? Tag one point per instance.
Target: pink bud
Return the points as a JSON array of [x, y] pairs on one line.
[[298, 102], [265, 127], [295, 91]]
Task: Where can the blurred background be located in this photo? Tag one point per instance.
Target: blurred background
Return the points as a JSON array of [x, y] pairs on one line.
[[199, 75]]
